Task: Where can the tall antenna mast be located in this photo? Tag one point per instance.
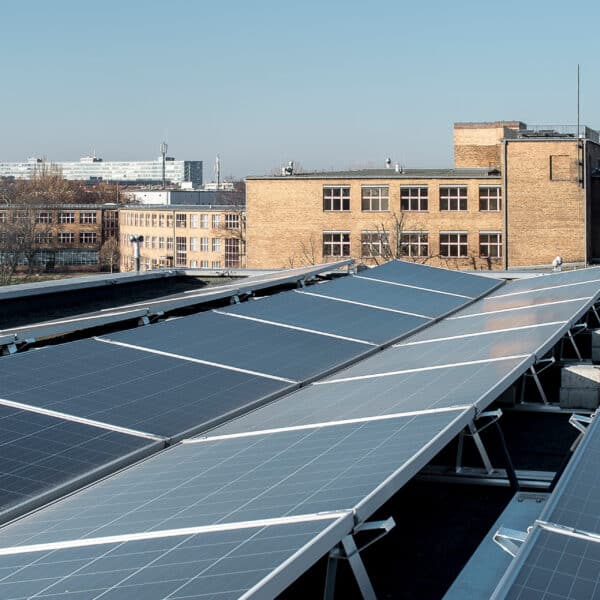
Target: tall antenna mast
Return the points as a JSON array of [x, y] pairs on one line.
[[163, 152], [578, 105], [218, 171]]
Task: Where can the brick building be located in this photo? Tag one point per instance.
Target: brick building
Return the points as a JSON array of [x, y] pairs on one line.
[[183, 236], [63, 237], [516, 196]]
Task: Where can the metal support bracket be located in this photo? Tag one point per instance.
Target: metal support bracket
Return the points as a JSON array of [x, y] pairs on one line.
[[145, 320], [594, 311], [534, 374], [474, 433], [510, 540], [574, 344], [348, 550], [235, 299], [580, 422], [300, 283]]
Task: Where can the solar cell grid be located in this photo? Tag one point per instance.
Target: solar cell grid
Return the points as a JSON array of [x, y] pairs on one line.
[[555, 567], [129, 388], [445, 280], [224, 564], [576, 499], [273, 475], [246, 344], [41, 454]]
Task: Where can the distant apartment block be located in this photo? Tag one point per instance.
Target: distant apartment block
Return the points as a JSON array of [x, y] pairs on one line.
[[93, 170], [516, 196], [210, 237], [61, 237]]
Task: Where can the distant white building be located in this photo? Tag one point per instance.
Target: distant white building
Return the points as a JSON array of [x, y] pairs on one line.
[[93, 169]]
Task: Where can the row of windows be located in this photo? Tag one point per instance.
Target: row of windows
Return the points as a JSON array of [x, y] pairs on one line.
[[85, 237], [46, 217], [196, 221], [203, 244], [453, 244], [412, 198]]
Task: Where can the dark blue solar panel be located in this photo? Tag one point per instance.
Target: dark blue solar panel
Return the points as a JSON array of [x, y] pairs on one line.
[[41, 454], [219, 565], [419, 302], [553, 566], [338, 318], [245, 344], [444, 280], [288, 473], [576, 500], [129, 388]]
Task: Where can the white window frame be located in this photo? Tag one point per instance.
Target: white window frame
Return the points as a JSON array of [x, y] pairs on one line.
[[447, 199], [417, 240], [374, 243], [497, 244], [342, 244], [460, 245], [486, 200], [417, 198], [334, 203], [375, 198]]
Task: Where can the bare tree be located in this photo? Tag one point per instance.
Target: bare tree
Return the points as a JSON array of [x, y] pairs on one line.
[[110, 254], [309, 250]]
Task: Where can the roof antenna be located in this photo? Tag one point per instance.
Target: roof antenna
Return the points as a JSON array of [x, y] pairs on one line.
[[388, 163]]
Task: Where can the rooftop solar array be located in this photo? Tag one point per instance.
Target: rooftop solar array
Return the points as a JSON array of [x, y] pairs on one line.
[[561, 555], [330, 453]]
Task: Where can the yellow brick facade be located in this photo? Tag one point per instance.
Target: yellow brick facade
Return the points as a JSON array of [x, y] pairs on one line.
[[549, 210], [185, 237]]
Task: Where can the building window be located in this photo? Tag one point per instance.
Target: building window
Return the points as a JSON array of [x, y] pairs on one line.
[[336, 198], [375, 198], [161, 220], [216, 221], [194, 264], [204, 222], [66, 238], [336, 243], [204, 264], [66, 217], [414, 243], [87, 217], [154, 242], [180, 220], [181, 252], [414, 198], [147, 218], [374, 243], [161, 242], [490, 244], [232, 253], [43, 238], [490, 198], [3, 216], [194, 222], [87, 237], [232, 221], [204, 244], [169, 220], [194, 244], [146, 241], [169, 243], [453, 198], [216, 244], [44, 217], [453, 244], [153, 219], [216, 264]]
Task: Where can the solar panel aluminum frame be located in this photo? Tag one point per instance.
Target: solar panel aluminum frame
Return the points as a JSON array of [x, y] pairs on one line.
[[385, 490], [79, 482], [296, 565]]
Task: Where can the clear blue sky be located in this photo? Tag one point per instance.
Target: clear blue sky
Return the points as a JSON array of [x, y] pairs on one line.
[[328, 84]]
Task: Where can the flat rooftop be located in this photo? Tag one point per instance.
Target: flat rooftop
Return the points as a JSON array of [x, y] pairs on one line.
[[391, 173]]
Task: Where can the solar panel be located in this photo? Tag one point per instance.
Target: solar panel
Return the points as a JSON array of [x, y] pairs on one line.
[[443, 280], [477, 384], [245, 344], [391, 297], [553, 566], [568, 278], [321, 468], [575, 501], [246, 562], [43, 456], [509, 300], [337, 318], [130, 388]]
